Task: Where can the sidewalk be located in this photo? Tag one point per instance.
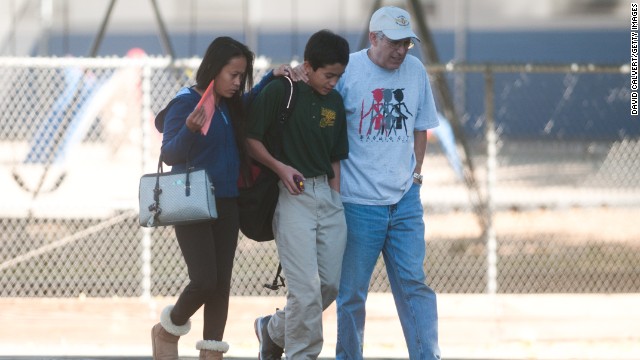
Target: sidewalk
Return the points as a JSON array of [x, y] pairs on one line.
[[471, 327]]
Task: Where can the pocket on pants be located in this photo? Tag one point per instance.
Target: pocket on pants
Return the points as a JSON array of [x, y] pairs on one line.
[[336, 198]]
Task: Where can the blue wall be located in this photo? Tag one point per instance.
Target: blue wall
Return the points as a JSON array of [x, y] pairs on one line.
[[557, 106], [585, 46]]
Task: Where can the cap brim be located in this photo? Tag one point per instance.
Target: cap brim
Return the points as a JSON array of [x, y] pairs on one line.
[[400, 34]]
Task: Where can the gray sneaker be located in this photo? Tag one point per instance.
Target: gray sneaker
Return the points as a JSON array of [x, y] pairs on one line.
[[268, 350]]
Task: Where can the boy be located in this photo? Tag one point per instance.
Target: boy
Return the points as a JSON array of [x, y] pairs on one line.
[[309, 223]]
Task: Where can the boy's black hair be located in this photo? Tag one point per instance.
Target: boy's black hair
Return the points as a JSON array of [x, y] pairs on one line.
[[326, 48]]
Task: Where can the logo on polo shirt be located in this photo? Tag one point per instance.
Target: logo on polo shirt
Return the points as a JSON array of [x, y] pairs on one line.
[[327, 117]]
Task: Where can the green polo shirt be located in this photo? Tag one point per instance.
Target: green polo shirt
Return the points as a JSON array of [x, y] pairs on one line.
[[314, 136]]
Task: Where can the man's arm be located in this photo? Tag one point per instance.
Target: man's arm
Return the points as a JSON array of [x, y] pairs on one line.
[[334, 182], [258, 151], [419, 148]]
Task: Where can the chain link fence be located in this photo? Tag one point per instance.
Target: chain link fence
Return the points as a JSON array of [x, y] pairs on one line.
[[555, 155], [541, 194]]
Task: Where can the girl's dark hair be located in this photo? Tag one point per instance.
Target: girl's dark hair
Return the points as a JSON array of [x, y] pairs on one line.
[[218, 55], [326, 48]]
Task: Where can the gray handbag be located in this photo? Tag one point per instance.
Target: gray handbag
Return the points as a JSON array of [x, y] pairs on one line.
[[176, 198]]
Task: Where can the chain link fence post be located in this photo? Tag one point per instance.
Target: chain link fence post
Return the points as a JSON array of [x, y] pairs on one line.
[[490, 138], [146, 113]]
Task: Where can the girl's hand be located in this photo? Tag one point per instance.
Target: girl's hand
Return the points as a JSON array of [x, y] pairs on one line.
[[300, 74], [196, 120], [296, 74]]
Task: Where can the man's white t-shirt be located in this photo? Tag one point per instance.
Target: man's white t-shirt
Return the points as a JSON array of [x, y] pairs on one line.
[[383, 108]]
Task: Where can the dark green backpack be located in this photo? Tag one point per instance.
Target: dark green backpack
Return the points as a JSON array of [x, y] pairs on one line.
[[257, 203]]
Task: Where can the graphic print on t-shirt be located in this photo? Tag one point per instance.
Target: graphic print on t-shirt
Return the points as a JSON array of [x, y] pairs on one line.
[[384, 118]]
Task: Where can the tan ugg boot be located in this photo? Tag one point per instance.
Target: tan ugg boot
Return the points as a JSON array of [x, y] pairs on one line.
[[165, 336], [211, 349]]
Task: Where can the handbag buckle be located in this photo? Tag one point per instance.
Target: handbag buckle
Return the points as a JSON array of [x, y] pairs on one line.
[[155, 211]]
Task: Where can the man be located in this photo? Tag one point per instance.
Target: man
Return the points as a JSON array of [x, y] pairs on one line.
[[389, 107], [309, 224]]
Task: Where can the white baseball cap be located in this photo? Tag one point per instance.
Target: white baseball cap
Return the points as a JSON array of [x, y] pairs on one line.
[[395, 23]]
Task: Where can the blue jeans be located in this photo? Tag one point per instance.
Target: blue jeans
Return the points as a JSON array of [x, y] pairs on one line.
[[398, 232]]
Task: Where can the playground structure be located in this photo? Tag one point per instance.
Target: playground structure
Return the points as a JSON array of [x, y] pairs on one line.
[[92, 105]]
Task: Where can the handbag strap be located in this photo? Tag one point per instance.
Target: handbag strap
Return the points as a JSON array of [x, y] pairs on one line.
[[155, 208]]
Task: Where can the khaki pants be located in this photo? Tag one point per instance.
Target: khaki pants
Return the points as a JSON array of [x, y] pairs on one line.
[[311, 234]]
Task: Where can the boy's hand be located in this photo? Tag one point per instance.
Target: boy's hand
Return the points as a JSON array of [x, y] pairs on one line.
[[299, 181], [287, 174]]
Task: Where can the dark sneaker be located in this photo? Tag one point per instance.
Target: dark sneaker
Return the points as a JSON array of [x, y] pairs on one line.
[[268, 350]]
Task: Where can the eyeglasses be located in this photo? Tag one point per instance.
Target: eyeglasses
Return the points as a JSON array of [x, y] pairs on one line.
[[398, 44]]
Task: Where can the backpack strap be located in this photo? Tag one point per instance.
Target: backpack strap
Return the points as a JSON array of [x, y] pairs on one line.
[[289, 100], [286, 109], [278, 281]]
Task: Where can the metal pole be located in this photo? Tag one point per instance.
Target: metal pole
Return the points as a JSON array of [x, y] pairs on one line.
[[103, 27], [164, 35], [430, 56], [491, 138], [460, 54], [146, 154]]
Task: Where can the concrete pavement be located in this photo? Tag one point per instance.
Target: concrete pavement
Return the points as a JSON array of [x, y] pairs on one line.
[[556, 326]]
